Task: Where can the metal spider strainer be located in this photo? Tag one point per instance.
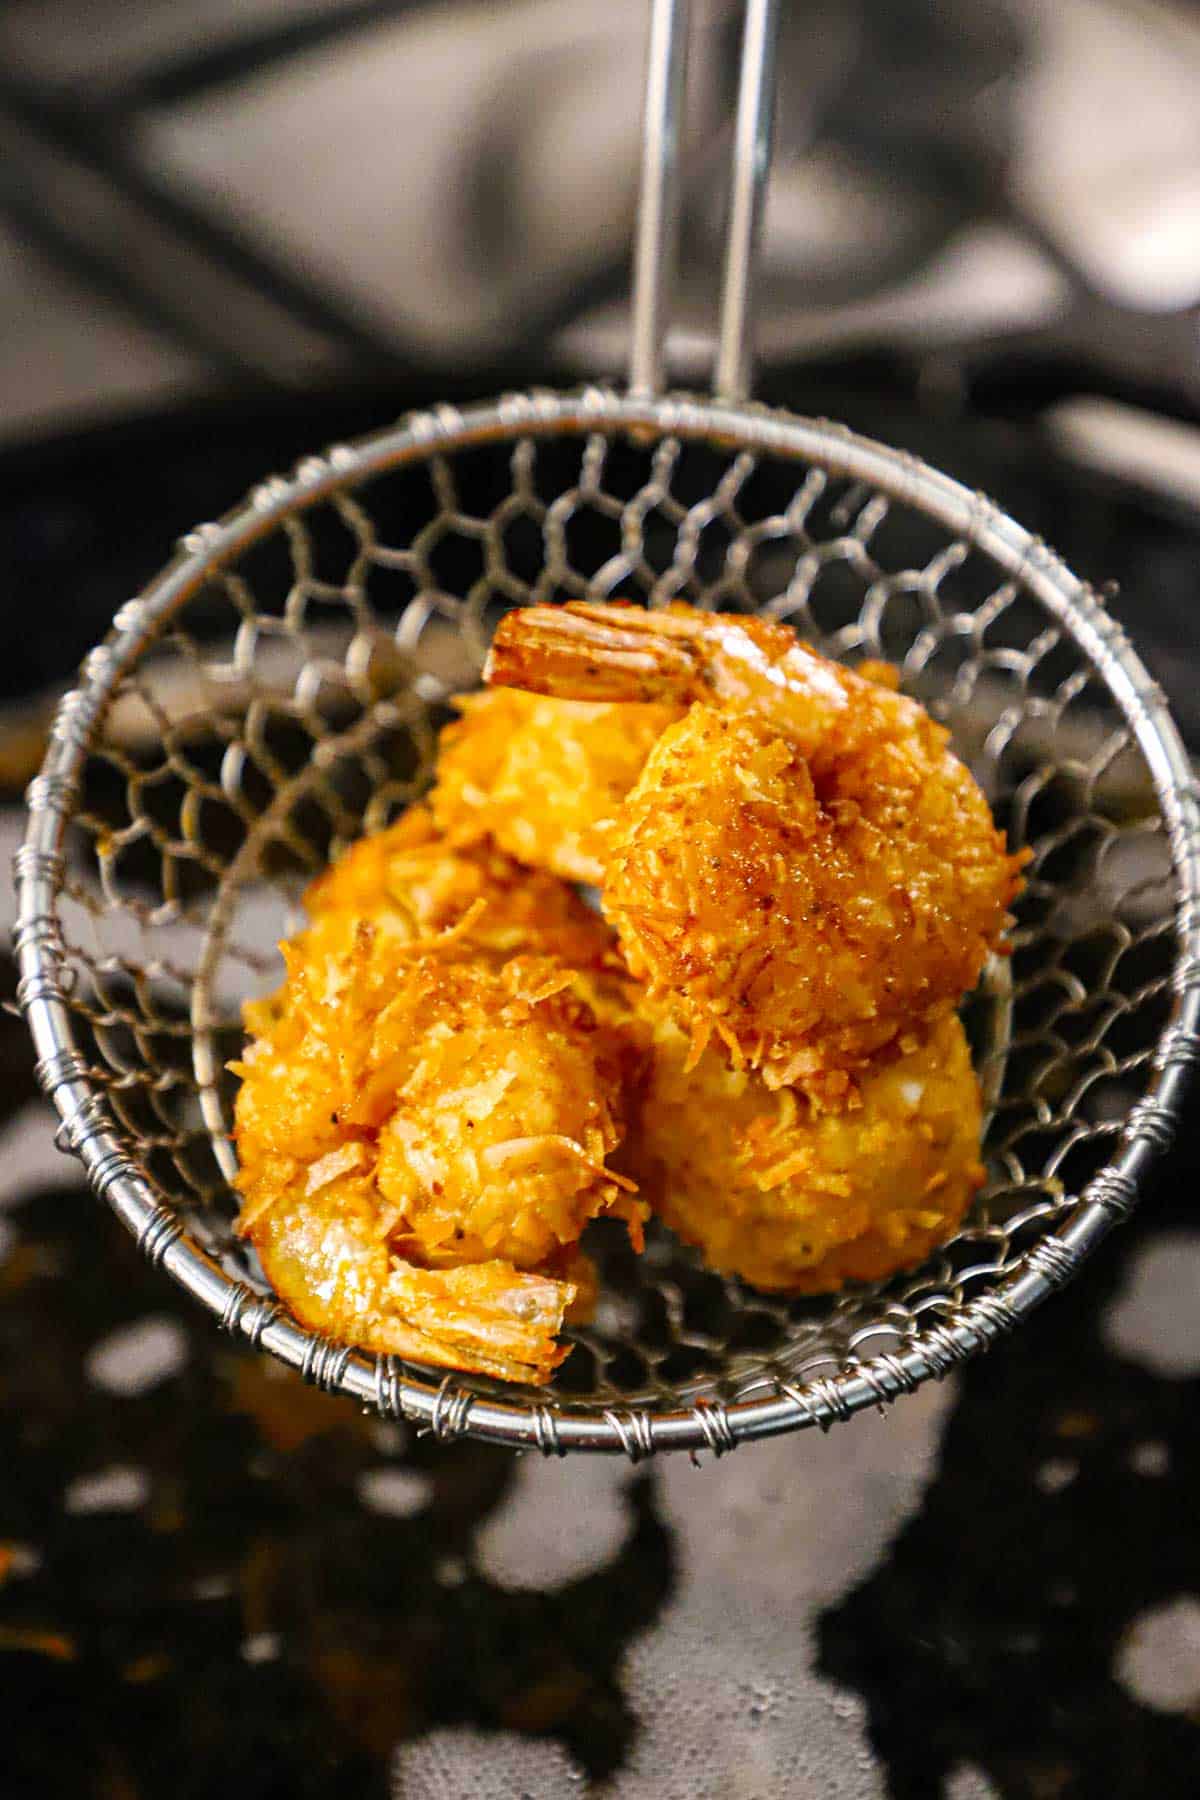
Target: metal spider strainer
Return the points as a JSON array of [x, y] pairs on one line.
[[277, 690]]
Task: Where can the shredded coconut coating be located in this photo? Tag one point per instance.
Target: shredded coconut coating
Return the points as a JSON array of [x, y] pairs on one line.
[[417, 887], [424, 1120], [799, 1200], [803, 869], [800, 912], [544, 778]]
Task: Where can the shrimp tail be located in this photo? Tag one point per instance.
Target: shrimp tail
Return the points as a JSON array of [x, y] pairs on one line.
[[595, 652], [486, 1316], [330, 1267], [609, 652]]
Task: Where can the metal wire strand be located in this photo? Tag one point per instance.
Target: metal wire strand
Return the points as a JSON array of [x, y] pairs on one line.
[[657, 244], [734, 372]]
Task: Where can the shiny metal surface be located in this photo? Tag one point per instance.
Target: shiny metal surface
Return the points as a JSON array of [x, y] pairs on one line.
[[733, 376], [656, 247]]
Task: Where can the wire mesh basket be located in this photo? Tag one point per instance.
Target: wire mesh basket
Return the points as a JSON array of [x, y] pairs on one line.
[[278, 690]]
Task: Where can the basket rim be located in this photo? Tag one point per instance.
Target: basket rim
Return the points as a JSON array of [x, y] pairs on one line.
[[443, 1405]]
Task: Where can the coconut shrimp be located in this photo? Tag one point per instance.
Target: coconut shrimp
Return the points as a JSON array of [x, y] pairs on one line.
[[543, 778], [422, 1135], [801, 1201], [803, 870]]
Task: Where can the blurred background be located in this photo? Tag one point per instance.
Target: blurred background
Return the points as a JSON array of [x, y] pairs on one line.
[[200, 196]]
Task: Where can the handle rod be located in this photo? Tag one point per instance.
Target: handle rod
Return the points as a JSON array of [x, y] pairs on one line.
[[656, 247], [734, 371]]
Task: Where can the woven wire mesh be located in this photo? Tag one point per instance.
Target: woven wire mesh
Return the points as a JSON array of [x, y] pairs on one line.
[[279, 691]]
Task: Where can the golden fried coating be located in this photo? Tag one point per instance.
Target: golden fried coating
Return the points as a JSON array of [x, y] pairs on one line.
[[804, 926], [542, 777], [403, 1112], [412, 884], [509, 1108], [803, 869], [801, 1201]]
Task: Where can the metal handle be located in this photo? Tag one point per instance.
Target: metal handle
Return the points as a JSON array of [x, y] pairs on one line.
[[656, 247]]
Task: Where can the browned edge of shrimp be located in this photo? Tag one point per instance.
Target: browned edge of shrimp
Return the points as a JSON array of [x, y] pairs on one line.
[[612, 651]]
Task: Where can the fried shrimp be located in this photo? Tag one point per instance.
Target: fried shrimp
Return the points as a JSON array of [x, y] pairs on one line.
[[543, 778], [465, 1065], [803, 870], [418, 1134], [801, 1201]]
